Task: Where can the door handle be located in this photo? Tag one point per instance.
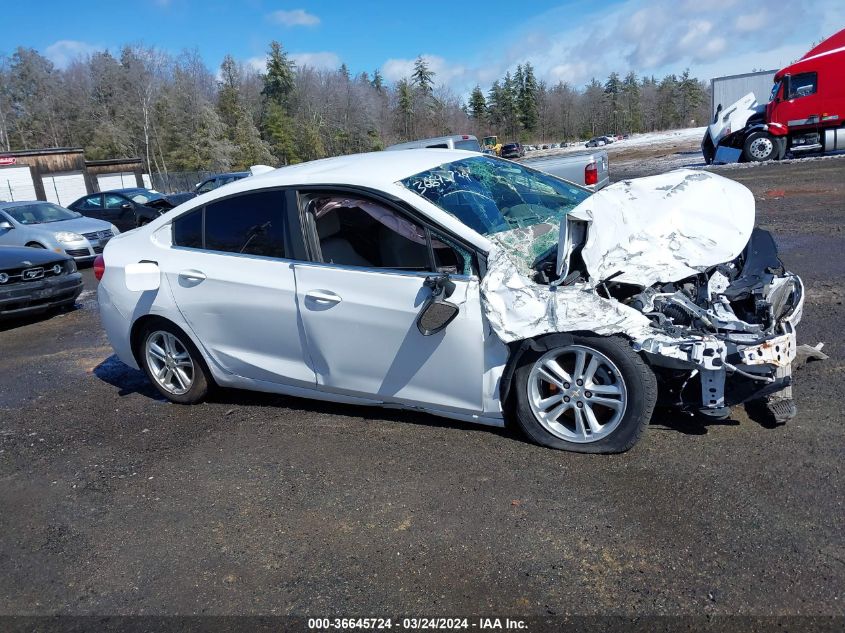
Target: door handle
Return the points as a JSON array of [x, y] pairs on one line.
[[323, 295], [192, 275]]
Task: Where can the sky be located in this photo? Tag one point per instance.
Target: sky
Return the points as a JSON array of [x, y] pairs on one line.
[[466, 43]]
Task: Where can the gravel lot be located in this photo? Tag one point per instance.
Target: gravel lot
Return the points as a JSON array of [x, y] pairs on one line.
[[115, 502]]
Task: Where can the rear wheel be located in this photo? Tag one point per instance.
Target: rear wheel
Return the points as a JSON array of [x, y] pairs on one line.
[[173, 364], [590, 394], [760, 146]]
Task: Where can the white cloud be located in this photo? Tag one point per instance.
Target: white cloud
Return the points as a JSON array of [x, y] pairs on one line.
[[322, 59], [445, 72], [63, 52], [294, 17]]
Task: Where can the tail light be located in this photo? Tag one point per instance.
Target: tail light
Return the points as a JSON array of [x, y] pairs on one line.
[[591, 174], [99, 267]]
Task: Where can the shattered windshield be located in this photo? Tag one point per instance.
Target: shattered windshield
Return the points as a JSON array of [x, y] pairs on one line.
[[519, 207]]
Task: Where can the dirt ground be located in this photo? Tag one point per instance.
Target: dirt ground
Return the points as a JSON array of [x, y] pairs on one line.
[[115, 502]]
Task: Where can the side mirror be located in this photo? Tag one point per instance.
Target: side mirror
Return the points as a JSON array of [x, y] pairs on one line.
[[436, 312], [6, 225]]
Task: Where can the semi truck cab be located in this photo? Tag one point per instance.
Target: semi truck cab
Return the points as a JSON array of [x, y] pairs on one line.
[[805, 112]]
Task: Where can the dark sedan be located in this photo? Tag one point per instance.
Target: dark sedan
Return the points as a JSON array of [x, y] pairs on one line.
[[512, 150], [125, 208], [34, 280]]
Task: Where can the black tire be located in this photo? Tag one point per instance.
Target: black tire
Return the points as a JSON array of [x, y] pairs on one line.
[[640, 386], [36, 245], [201, 377], [759, 147]]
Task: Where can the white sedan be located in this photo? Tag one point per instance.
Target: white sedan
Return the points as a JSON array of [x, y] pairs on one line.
[[466, 286]]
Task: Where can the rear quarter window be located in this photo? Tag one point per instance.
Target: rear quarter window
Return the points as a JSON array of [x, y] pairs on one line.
[[187, 230]]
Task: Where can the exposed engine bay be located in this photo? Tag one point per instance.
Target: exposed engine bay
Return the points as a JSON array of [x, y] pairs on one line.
[[682, 273]]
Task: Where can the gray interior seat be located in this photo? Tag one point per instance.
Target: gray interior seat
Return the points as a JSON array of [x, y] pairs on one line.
[[336, 249], [400, 252]]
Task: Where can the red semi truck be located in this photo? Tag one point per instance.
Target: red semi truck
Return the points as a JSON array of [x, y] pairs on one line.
[[805, 112]]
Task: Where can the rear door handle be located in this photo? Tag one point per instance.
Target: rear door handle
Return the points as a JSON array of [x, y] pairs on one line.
[[192, 275], [323, 296]]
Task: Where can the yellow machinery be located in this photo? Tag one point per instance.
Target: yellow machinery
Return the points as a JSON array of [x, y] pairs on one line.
[[492, 143]]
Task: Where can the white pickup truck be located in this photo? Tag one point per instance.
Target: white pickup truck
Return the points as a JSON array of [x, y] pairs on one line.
[[588, 169]]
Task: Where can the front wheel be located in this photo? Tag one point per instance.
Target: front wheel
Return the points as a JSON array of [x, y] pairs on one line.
[[590, 394], [760, 146]]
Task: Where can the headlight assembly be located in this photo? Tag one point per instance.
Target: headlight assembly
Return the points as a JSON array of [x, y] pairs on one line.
[[68, 236]]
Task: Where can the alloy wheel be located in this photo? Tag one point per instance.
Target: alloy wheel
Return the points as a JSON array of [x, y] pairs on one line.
[[577, 393], [170, 362]]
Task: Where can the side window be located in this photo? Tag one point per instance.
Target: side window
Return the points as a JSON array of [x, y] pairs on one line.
[[92, 203], [451, 258], [361, 232], [251, 223], [205, 187], [187, 230], [113, 201], [803, 85]]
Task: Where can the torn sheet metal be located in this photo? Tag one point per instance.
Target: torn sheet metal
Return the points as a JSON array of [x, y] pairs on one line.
[[518, 308], [679, 290], [664, 228]]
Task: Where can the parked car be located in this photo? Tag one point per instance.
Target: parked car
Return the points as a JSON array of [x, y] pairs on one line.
[[513, 150], [35, 280], [209, 184], [473, 288], [453, 141], [554, 146], [596, 141], [125, 208], [46, 225]]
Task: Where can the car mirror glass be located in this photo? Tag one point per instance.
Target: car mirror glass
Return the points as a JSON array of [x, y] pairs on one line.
[[142, 276], [436, 312], [5, 225], [435, 316]]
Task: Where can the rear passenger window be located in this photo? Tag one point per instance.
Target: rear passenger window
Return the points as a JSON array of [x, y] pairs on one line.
[[251, 223], [187, 230]]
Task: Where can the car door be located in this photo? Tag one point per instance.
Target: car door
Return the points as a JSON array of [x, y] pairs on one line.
[[228, 270], [360, 300], [90, 206], [120, 211]]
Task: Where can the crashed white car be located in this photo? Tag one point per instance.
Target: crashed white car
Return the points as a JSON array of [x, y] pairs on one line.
[[466, 286]]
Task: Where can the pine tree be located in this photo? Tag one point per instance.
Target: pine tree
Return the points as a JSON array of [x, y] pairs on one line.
[[477, 104], [423, 77], [280, 77], [632, 103], [528, 93], [378, 81], [406, 107], [612, 92]]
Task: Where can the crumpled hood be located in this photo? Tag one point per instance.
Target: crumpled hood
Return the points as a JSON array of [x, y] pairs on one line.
[[663, 228]]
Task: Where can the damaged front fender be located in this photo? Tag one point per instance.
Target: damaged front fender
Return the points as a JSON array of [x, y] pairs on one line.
[[673, 264]]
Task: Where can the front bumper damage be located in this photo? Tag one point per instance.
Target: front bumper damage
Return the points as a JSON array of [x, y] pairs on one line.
[[713, 315]]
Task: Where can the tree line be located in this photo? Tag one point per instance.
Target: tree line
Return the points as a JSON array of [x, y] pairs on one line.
[[177, 115]]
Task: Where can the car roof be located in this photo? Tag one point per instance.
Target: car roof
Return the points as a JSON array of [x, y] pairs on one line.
[[375, 170], [18, 203], [127, 190]]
